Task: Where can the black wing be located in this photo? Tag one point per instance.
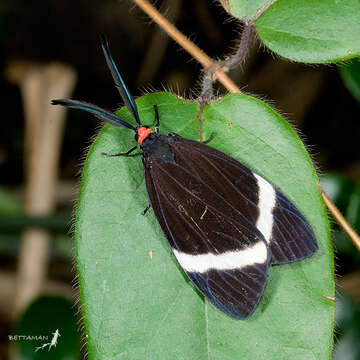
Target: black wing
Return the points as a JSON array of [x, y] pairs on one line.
[[207, 204], [287, 232], [219, 248]]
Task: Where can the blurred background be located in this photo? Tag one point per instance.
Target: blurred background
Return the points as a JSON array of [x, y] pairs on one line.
[[50, 49]]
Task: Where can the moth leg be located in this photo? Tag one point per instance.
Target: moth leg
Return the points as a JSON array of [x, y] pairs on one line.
[[210, 138], [122, 154], [157, 119], [148, 206]]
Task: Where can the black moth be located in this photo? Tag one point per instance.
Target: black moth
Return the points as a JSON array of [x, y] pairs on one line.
[[225, 224]]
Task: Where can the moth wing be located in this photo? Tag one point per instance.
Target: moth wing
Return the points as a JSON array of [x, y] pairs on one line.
[[287, 232], [226, 259], [292, 237], [225, 224]]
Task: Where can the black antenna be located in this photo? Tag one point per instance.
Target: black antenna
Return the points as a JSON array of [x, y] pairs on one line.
[[97, 111], [119, 82]]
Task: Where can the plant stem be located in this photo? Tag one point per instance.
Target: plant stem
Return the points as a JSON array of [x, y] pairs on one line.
[[242, 50], [340, 219], [262, 10], [220, 75]]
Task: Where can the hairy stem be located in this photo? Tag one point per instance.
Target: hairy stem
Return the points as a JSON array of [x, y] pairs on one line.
[[242, 51]]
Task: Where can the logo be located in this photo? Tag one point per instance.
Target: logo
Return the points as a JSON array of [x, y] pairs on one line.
[[52, 343]]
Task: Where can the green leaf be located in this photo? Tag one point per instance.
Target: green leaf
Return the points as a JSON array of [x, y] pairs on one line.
[[350, 74], [38, 323], [243, 8], [137, 303], [312, 31]]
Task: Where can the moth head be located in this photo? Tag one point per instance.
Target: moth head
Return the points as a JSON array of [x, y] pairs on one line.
[[142, 132]]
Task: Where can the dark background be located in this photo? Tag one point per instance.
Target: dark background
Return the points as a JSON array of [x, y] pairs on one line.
[[313, 98]]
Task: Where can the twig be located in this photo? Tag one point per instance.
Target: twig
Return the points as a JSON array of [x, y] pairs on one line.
[[220, 75], [340, 219], [189, 46], [157, 46]]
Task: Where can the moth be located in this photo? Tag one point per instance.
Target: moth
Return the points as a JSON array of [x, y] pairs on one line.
[[225, 224]]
